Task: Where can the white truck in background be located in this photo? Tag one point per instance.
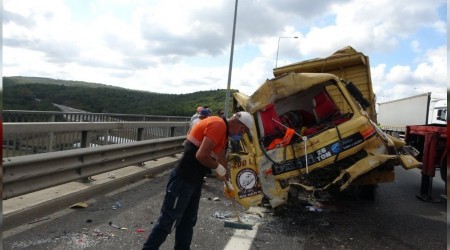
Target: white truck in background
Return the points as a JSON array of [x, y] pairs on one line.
[[423, 109]]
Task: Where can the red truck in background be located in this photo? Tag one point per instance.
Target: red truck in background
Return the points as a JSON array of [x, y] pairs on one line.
[[431, 142], [420, 120]]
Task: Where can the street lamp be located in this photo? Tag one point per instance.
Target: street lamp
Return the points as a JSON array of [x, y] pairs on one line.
[[227, 95], [276, 62]]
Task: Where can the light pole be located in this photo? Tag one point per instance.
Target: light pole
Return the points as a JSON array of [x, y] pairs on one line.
[[278, 48], [227, 96]]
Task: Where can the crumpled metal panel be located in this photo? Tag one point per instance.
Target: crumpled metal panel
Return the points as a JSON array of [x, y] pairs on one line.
[[361, 167], [275, 89], [409, 162]]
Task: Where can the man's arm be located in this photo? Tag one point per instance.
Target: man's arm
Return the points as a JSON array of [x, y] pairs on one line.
[[204, 155], [221, 157]]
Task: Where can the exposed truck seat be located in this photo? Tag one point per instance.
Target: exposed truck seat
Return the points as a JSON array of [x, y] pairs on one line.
[[324, 108], [326, 114], [265, 119]]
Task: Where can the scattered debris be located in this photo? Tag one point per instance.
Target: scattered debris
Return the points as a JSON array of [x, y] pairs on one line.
[[80, 205], [115, 226], [111, 176], [216, 199], [140, 230], [314, 209], [259, 211], [117, 205], [222, 215]]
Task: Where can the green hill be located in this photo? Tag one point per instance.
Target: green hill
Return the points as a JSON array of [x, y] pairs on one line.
[[39, 94], [43, 80]]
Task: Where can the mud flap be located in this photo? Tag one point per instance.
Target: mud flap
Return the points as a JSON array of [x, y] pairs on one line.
[[359, 168]]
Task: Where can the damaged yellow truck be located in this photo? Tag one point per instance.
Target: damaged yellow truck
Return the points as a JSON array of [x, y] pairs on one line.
[[315, 134]]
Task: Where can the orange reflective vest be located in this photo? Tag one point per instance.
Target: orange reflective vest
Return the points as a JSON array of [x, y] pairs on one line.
[[282, 142]]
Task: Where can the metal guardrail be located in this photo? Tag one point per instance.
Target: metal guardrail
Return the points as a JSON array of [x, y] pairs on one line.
[[42, 154], [42, 137], [58, 116], [30, 173]]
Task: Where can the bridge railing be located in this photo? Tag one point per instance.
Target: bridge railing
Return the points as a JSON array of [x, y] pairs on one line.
[[34, 132], [57, 116], [38, 155], [27, 138]]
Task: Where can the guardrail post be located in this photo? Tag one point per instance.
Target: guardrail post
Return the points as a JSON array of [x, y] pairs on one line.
[[51, 136], [84, 144], [140, 132], [106, 139], [84, 139]]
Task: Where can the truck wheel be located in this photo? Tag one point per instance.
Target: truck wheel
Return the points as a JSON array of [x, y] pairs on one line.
[[443, 170]]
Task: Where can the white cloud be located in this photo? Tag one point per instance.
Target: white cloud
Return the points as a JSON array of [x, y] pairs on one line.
[[154, 46], [401, 80], [432, 70]]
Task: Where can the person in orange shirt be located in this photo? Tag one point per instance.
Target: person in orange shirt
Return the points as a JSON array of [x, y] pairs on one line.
[[205, 149]]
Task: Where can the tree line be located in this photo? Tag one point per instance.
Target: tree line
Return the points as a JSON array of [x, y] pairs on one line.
[[39, 94]]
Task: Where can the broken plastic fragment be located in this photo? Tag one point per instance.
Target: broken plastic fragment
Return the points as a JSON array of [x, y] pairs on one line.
[[222, 215], [314, 209], [80, 205], [115, 226]]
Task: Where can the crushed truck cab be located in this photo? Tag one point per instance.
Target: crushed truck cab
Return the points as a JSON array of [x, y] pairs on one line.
[[313, 136]]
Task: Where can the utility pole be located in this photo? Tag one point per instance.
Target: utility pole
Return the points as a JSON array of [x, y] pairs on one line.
[[227, 97]]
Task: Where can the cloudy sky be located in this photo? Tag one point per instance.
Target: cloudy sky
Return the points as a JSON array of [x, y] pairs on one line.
[[178, 46]]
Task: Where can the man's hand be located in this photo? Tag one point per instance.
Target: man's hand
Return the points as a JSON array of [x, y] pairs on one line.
[[228, 189], [221, 172]]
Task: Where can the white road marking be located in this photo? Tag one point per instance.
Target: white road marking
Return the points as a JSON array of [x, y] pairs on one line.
[[242, 239]]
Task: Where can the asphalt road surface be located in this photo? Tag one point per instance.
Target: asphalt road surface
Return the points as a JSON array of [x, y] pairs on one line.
[[396, 219]]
